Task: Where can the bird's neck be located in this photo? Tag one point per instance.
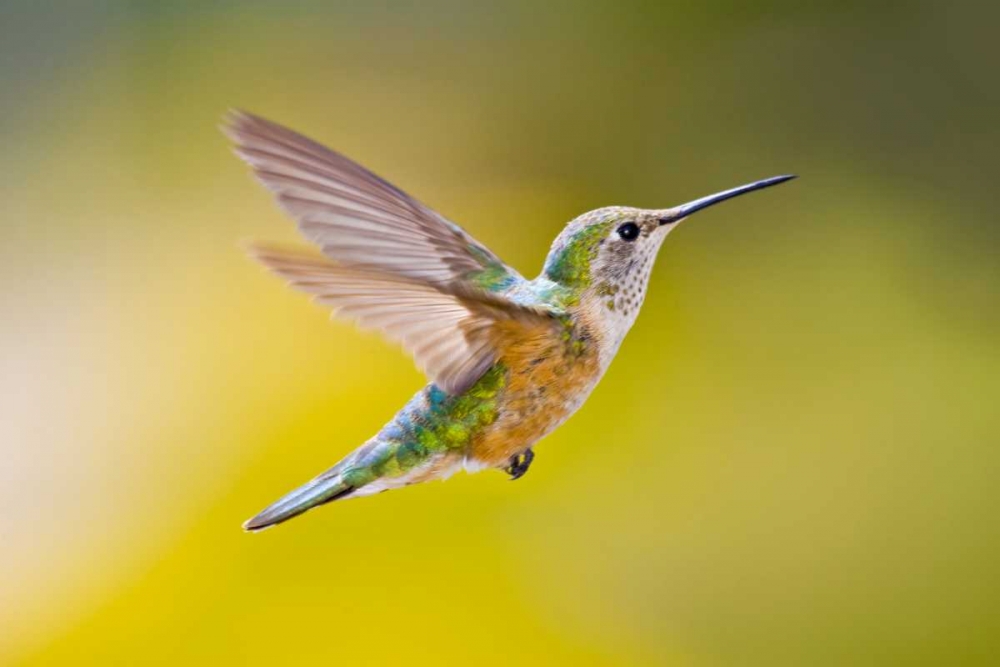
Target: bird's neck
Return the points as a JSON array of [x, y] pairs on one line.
[[606, 310], [608, 313]]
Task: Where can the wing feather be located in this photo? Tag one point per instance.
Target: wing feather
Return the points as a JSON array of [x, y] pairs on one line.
[[452, 336], [355, 217]]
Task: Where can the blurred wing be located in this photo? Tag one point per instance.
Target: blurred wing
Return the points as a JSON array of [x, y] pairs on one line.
[[453, 336], [357, 218]]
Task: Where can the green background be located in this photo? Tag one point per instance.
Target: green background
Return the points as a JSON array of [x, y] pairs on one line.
[[793, 460]]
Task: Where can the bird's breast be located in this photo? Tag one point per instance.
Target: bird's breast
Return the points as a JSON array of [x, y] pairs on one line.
[[546, 380]]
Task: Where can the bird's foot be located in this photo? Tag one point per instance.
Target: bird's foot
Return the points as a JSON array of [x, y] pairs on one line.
[[519, 464]]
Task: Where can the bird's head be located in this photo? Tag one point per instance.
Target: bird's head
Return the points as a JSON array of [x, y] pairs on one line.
[[608, 254]]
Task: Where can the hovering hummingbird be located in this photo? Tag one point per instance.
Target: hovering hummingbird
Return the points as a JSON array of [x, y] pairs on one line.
[[509, 359]]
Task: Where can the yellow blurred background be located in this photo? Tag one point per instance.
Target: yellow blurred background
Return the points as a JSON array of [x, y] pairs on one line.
[[793, 461]]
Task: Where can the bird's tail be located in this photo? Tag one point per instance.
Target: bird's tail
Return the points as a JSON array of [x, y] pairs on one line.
[[376, 466], [324, 489]]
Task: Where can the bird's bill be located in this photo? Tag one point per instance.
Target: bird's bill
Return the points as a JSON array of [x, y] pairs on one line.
[[684, 210]]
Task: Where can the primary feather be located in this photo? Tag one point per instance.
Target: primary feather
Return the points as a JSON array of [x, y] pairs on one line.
[[354, 216]]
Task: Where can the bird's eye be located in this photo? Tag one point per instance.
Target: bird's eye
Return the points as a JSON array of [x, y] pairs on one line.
[[628, 231]]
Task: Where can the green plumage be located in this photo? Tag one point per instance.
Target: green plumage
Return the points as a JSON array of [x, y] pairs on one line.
[[569, 265], [432, 424]]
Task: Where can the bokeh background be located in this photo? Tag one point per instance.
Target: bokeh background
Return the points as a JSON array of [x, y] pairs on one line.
[[793, 461]]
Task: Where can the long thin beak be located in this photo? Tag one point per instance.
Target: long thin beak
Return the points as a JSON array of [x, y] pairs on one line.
[[684, 210]]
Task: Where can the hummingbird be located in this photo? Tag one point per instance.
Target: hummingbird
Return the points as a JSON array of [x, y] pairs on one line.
[[508, 359]]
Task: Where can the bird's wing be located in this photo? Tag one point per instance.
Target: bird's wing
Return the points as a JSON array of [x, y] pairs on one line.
[[357, 218], [454, 336]]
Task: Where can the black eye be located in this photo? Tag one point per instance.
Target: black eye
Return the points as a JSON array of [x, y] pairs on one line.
[[629, 231]]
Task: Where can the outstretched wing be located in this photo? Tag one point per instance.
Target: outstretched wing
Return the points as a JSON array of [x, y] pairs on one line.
[[357, 218], [454, 336]]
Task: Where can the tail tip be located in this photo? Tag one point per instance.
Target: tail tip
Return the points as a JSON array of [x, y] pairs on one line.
[[257, 524]]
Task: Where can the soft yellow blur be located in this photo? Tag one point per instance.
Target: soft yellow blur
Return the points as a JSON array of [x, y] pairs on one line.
[[793, 461]]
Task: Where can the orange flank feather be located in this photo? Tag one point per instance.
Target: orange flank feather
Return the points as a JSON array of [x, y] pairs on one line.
[[551, 372]]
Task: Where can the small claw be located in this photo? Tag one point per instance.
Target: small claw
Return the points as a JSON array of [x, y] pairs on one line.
[[519, 464]]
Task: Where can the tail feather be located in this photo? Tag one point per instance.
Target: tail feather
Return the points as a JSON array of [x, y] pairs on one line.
[[395, 457], [323, 489]]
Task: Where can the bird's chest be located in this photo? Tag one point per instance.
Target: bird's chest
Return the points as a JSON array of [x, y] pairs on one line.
[[545, 384]]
